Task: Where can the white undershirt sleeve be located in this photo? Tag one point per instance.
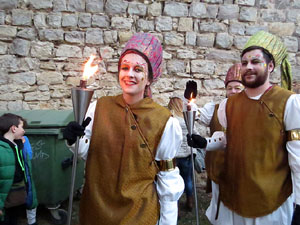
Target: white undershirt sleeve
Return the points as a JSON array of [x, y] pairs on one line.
[[169, 185]]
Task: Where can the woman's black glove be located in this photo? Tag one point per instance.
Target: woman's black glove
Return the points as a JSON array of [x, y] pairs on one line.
[[190, 90], [196, 141], [74, 130], [296, 216]]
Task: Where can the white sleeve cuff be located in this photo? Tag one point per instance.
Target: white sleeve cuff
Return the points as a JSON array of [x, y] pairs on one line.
[[168, 213]]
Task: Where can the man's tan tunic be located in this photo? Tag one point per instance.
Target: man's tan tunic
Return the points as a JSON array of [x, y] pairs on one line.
[[120, 169], [257, 174]]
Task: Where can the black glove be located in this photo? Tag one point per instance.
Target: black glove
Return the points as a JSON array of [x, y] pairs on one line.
[[74, 130], [190, 90], [296, 216], [196, 141]]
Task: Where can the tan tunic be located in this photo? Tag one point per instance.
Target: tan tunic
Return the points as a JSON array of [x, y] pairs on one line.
[[120, 169], [257, 174], [214, 160]]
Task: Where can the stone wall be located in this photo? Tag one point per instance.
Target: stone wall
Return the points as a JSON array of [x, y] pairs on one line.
[[44, 43]]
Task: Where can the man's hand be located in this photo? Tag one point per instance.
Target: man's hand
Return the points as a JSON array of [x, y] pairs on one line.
[[74, 130], [190, 90], [196, 141], [296, 216]]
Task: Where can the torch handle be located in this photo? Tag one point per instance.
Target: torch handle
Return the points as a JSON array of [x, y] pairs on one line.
[[73, 176]]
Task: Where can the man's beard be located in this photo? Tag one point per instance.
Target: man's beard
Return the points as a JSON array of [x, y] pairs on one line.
[[259, 80]]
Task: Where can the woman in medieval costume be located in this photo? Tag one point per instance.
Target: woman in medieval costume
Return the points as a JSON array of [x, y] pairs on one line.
[[129, 147]]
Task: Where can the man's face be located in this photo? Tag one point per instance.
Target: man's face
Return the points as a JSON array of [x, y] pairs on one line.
[[255, 70], [233, 87]]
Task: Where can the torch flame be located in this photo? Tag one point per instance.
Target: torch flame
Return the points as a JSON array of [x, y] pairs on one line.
[[89, 70], [191, 98]]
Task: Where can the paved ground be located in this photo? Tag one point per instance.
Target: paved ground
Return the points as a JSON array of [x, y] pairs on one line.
[[186, 217]]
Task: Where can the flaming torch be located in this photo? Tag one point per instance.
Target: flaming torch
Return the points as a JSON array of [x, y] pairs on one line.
[[189, 114], [81, 97]]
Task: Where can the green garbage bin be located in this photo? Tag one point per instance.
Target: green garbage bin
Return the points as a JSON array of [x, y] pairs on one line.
[[51, 158]]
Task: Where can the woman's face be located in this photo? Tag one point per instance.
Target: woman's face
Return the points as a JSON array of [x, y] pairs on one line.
[[133, 76]]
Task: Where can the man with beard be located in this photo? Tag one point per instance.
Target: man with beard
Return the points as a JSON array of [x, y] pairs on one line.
[[263, 142]]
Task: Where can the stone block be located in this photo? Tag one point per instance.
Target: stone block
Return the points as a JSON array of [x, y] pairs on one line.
[[212, 11], [113, 7], [224, 40], [248, 14], [76, 37], [95, 6], [3, 49], [212, 27], [291, 43], [237, 28], [76, 5], [38, 4], [25, 78], [8, 4], [223, 56], [37, 96], [145, 25], [20, 47], [206, 40], [176, 66], [27, 33], [7, 32], [124, 36], [94, 36], [59, 5], [121, 23], [41, 49], [106, 52], [54, 20], [110, 37], [250, 30], [9, 63], [49, 77], [198, 10], [176, 9], [68, 51], [185, 24], [228, 12], [163, 23], [51, 34], [186, 54], [173, 38], [282, 29], [155, 9], [22, 17], [100, 21], [84, 20], [203, 66], [69, 20], [190, 38], [135, 8], [240, 41], [293, 16], [2, 17], [246, 2], [39, 20], [273, 15]]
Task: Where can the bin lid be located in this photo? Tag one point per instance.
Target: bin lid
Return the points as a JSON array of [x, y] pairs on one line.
[[45, 118]]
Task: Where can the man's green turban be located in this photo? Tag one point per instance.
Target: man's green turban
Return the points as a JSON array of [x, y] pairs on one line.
[[277, 49]]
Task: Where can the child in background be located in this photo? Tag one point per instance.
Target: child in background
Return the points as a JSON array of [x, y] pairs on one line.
[[15, 170], [30, 213]]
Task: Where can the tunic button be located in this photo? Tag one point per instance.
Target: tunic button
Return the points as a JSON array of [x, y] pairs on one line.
[[143, 145], [133, 127]]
